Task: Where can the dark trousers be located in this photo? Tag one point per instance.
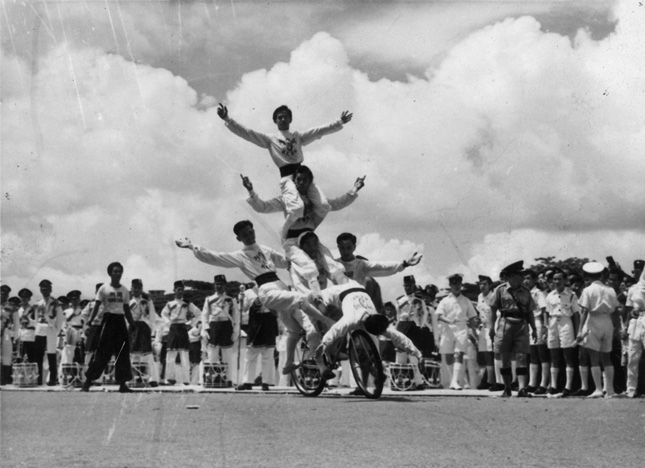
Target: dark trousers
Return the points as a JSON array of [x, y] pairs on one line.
[[40, 346], [29, 350], [113, 341]]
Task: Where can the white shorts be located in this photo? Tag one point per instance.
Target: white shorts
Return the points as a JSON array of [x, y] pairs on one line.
[[539, 328], [276, 296], [485, 343], [560, 333], [454, 339], [601, 333]]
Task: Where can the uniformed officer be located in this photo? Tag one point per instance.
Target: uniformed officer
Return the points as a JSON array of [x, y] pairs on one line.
[[179, 313], [510, 336], [27, 317], [74, 324], [8, 330], [92, 327], [145, 321], [411, 313], [5, 290], [220, 316], [49, 317]]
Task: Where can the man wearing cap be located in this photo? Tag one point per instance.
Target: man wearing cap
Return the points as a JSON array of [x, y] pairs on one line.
[[360, 268], [92, 327], [27, 317], [301, 263], [411, 314], [49, 316], [5, 290], [510, 336], [599, 322], [539, 352], [73, 329], [8, 332], [259, 263], [457, 314], [635, 304], [562, 320], [113, 335], [220, 316], [145, 322], [485, 345], [179, 314]]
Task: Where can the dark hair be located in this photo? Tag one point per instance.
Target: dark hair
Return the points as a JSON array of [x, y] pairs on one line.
[[531, 273], [113, 265], [376, 324], [346, 236], [241, 225], [306, 236], [280, 109], [304, 170]]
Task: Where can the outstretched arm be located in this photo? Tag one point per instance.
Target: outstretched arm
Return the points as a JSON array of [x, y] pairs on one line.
[[346, 116], [249, 135]]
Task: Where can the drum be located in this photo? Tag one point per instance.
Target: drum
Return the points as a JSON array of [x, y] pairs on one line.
[[215, 375], [108, 375], [72, 375], [432, 373], [140, 375], [25, 374], [401, 376]]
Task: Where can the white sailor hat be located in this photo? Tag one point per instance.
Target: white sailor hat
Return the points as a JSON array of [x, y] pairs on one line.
[[593, 268]]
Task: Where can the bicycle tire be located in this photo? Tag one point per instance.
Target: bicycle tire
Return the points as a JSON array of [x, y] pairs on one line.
[[306, 377], [366, 364]]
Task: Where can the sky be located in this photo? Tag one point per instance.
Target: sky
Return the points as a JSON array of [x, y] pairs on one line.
[[488, 132]]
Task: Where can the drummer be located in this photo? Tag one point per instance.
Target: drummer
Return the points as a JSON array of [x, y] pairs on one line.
[[9, 327]]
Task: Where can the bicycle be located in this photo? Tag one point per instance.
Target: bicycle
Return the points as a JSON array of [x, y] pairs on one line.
[[365, 362]]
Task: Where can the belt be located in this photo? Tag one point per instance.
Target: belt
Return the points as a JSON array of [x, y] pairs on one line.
[[515, 315], [265, 278], [289, 169], [291, 233], [216, 320], [77, 327], [343, 294]]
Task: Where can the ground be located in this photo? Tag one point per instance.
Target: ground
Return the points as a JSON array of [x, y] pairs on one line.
[[283, 429]]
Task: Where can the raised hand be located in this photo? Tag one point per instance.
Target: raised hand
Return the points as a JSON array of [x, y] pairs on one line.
[[346, 116], [247, 183], [414, 259], [222, 111], [184, 243], [360, 183]]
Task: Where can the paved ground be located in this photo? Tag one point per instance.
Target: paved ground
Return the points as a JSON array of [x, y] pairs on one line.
[[179, 427]]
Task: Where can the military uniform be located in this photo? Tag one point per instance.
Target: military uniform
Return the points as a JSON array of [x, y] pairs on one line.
[[145, 322], [49, 318]]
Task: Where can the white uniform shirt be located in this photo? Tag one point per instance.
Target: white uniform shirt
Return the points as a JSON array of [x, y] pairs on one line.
[[218, 308], [540, 301], [485, 312], [27, 315], [598, 298], [563, 304], [143, 310], [457, 309], [179, 311], [253, 260], [359, 269], [49, 316], [113, 298]]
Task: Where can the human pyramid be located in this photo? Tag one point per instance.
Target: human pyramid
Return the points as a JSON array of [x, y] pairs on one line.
[[320, 284]]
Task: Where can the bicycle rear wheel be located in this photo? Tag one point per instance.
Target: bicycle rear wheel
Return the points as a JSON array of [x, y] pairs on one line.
[[366, 364], [306, 377]]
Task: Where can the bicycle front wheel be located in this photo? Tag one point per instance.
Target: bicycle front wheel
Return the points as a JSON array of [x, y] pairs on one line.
[[306, 377], [366, 364]]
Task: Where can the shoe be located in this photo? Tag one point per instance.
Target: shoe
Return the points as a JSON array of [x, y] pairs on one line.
[[52, 384], [455, 387], [630, 395], [540, 391], [123, 388], [153, 384], [357, 392], [498, 387], [483, 386], [328, 374], [289, 368], [86, 387], [515, 386], [615, 395], [581, 392], [566, 392], [171, 382], [596, 394], [507, 393], [523, 393], [265, 387], [531, 389], [551, 392], [245, 386]]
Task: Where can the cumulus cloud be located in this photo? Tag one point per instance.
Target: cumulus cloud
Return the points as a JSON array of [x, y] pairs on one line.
[[517, 137]]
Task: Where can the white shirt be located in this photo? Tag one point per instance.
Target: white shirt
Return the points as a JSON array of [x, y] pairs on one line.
[[562, 304], [359, 269], [598, 298], [253, 260]]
